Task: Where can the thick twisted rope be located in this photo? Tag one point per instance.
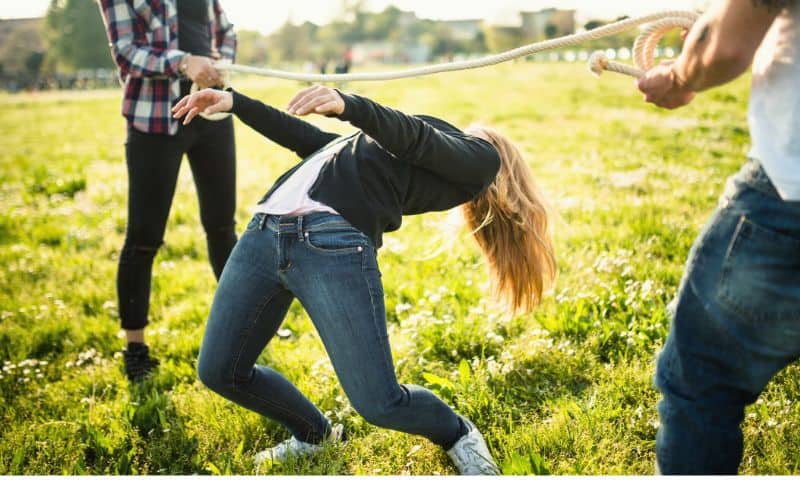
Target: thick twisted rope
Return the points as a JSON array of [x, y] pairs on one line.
[[658, 24]]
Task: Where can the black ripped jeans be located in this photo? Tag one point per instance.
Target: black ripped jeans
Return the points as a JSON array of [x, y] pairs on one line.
[[153, 164]]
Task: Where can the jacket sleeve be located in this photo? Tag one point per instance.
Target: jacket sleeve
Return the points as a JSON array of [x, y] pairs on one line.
[[126, 36], [454, 156], [292, 133], [224, 36]]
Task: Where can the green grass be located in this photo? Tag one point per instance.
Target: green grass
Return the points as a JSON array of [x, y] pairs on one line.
[[566, 390]]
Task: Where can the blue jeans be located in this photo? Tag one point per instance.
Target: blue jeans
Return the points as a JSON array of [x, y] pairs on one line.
[[331, 268], [737, 323]]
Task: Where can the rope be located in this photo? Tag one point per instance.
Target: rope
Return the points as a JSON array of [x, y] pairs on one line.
[[658, 24]]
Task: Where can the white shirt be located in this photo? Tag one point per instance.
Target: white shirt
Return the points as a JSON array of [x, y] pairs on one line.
[[774, 114], [291, 197]]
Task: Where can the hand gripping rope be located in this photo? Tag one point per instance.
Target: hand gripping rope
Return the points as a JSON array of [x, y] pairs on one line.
[[657, 25]]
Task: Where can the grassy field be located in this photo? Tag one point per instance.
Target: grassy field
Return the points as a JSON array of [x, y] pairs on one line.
[[566, 390]]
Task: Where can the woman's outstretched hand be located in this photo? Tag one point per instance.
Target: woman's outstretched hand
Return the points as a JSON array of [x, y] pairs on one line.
[[317, 99], [208, 100]]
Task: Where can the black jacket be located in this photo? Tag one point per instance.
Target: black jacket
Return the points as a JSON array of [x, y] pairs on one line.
[[397, 165]]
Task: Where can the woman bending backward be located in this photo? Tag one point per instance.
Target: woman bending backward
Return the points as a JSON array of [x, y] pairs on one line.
[[315, 236]]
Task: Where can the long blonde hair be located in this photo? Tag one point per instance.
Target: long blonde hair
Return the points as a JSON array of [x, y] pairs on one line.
[[510, 222]]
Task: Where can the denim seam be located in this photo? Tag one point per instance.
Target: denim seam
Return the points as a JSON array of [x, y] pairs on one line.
[[335, 251], [734, 243], [235, 365], [388, 364], [330, 225], [725, 271], [249, 331], [273, 404]]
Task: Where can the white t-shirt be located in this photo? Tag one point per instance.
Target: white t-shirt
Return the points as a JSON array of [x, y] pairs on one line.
[[774, 114], [291, 197]]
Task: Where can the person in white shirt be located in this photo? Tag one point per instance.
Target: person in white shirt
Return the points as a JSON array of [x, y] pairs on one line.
[[737, 321]]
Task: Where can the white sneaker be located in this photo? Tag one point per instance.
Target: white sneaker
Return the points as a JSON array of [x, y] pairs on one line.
[[293, 447], [471, 455]]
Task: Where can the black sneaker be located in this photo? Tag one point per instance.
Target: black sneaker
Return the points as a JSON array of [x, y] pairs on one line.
[[138, 363]]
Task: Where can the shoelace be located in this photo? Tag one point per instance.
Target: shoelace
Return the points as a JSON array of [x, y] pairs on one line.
[[469, 452]]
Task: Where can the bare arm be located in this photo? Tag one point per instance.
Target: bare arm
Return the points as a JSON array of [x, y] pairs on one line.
[[719, 48], [723, 44]]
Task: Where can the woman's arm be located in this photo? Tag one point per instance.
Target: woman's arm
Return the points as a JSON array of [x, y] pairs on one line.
[[125, 33], [224, 36], [288, 131], [457, 157]]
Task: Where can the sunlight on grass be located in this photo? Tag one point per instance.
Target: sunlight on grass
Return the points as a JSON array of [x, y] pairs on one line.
[[566, 390]]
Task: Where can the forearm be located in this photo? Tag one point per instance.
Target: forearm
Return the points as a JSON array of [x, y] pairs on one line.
[[145, 62], [722, 44], [285, 130], [457, 157]]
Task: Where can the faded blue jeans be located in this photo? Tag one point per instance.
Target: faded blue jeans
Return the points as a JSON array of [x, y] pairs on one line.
[[737, 323], [331, 268]]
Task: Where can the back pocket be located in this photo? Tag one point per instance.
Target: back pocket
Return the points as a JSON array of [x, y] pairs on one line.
[[761, 275]]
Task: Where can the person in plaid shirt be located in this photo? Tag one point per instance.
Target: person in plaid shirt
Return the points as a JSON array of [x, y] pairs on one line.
[[161, 47]]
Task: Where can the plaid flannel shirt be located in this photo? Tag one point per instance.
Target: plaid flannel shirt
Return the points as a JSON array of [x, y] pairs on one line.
[[143, 36]]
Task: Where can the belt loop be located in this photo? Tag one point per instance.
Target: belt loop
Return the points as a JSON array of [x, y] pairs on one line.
[[263, 222], [300, 228]]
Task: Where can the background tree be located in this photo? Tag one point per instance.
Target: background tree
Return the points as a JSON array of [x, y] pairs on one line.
[[593, 24], [33, 66], [75, 35], [293, 43], [19, 49], [384, 25], [252, 48], [502, 38]]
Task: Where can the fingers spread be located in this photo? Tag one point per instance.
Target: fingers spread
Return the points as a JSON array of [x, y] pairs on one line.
[[189, 117], [181, 103]]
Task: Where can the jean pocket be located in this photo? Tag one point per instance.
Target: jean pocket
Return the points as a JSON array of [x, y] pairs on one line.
[[760, 279], [340, 242]]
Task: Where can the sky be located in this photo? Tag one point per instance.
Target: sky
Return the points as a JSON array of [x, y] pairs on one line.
[[266, 16]]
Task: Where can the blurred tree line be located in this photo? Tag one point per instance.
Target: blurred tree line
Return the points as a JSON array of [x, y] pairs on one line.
[[353, 25], [71, 37]]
